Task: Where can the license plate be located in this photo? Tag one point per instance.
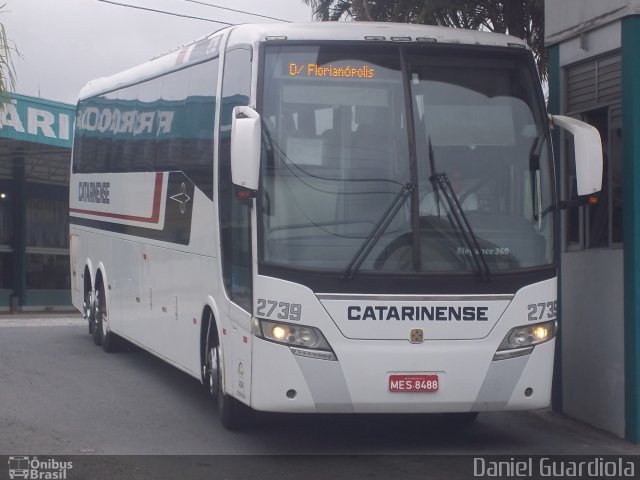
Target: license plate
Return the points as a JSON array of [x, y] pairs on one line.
[[413, 383]]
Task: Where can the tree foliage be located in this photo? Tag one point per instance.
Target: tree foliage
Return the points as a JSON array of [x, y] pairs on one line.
[[7, 69], [521, 18]]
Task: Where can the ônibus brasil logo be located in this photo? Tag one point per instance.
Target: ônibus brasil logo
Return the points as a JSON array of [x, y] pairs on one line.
[[33, 468]]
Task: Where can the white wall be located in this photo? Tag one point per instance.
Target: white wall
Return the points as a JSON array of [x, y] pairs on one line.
[[593, 337], [591, 44], [592, 281]]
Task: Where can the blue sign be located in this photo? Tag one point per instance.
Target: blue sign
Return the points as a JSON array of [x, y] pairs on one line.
[[36, 120]]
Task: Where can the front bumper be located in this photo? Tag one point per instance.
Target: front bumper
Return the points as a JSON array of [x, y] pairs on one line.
[[358, 382]]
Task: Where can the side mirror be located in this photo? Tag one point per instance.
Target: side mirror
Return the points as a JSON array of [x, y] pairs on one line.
[[588, 153], [245, 148]]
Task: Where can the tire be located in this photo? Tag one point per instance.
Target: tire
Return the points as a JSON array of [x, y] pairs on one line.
[[233, 414], [108, 339]]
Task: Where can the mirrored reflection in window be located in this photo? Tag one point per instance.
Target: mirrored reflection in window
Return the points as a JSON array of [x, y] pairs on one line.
[[235, 220], [162, 124]]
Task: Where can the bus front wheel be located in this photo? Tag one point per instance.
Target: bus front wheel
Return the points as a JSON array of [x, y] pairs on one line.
[[233, 414]]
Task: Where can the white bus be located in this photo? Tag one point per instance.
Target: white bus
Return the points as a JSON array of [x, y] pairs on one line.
[[328, 217]]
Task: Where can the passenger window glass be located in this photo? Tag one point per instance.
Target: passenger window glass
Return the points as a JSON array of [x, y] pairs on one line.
[[235, 225], [199, 124], [146, 126], [173, 117], [124, 138]]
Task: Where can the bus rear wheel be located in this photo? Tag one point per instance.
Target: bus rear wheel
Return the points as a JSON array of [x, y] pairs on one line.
[[87, 310], [108, 339], [96, 317]]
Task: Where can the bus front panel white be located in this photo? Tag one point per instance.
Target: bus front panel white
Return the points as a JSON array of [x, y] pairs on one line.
[[469, 377]]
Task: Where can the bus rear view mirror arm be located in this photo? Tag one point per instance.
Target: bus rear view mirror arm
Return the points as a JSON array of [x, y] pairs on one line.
[[245, 148], [588, 153]]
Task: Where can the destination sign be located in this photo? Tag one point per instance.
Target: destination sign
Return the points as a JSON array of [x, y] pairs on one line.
[[331, 71]]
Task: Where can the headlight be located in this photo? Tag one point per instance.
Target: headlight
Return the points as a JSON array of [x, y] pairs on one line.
[[294, 335], [521, 340]]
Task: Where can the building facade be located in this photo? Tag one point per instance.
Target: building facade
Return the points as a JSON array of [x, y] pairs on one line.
[[595, 76], [35, 153]]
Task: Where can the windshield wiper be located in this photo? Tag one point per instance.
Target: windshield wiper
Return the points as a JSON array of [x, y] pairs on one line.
[[379, 228], [441, 183]]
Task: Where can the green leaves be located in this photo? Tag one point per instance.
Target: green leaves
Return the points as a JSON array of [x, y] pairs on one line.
[[7, 68], [521, 18]]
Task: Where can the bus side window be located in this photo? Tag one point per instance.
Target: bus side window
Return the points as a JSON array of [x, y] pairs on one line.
[[145, 146], [170, 139], [124, 139], [197, 161], [235, 224]]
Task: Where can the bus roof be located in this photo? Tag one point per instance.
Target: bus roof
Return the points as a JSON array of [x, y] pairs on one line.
[[314, 31], [360, 30]]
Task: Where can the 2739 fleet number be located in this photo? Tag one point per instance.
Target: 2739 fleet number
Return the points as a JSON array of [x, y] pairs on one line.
[[280, 310]]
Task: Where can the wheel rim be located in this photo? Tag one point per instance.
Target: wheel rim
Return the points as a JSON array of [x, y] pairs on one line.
[[87, 306], [96, 310], [101, 313], [213, 371]]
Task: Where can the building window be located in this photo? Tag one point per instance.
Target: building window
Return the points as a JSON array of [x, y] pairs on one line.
[[594, 93], [48, 272], [6, 270], [6, 214], [47, 237], [48, 222]]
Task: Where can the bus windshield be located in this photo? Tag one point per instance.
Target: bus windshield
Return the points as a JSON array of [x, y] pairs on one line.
[[348, 127]]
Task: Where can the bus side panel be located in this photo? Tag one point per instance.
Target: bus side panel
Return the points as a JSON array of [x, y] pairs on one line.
[[77, 270], [156, 295], [164, 288], [180, 283], [128, 296]]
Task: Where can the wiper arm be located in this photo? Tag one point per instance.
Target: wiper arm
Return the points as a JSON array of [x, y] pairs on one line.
[[441, 182], [379, 228]]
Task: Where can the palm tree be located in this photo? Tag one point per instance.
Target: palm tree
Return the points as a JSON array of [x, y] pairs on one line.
[[521, 18], [404, 11], [7, 68]]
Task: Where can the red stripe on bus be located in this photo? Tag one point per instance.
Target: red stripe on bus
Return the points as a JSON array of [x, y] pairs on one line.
[[155, 214]]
